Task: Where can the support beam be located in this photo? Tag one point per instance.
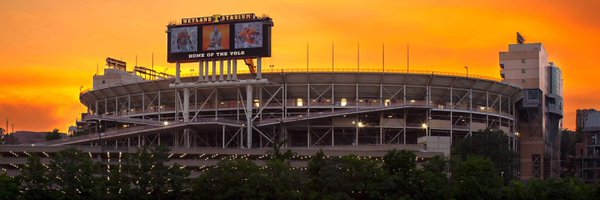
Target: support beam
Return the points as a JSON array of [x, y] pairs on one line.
[[186, 104], [259, 68], [201, 71], [177, 73], [228, 70], [214, 71], [234, 70], [221, 70], [249, 116]]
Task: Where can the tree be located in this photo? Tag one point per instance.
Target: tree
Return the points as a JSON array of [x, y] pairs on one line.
[[475, 178], [115, 184], [9, 187], [433, 180], [231, 179], [348, 177], [151, 178], [54, 135], [73, 173], [282, 182], [401, 177], [34, 180], [492, 145]]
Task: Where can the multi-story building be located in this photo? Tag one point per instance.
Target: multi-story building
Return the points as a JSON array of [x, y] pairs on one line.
[[587, 157], [540, 111]]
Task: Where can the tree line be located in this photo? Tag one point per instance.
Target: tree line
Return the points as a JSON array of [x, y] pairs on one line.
[[472, 173]]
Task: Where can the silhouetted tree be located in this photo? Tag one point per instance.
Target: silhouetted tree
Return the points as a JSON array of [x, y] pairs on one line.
[[53, 135]]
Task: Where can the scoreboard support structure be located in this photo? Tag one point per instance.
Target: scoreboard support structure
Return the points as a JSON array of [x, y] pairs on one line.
[[229, 81]]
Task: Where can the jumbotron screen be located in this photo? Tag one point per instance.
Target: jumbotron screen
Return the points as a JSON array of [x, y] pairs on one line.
[[227, 39]]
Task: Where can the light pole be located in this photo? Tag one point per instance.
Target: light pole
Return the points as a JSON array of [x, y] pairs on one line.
[[358, 124], [467, 68]]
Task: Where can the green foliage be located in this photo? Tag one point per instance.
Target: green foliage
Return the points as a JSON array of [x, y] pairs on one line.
[[475, 178], [230, 179], [72, 172], [151, 178], [283, 182], [9, 187], [348, 177], [148, 174], [34, 180], [492, 145], [54, 135]]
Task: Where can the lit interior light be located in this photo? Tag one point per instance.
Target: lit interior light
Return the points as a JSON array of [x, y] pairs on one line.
[[424, 125], [299, 102], [361, 124], [412, 101], [343, 102], [386, 102], [166, 123]]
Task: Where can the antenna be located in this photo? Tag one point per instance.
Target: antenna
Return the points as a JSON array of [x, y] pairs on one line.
[[383, 57], [307, 59], [358, 56], [407, 58], [136, 60], [332, 57]]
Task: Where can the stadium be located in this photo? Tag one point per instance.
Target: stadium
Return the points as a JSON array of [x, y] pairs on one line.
[[310, 109], [225, 111]]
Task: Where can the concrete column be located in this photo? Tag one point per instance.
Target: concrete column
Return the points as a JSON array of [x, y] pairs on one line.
[[186, 137], [214, 71], [201, 71], [186, 104], [221, 70], [235, 70], [259, 68], [249, 116], [177, 73], [206, 72], [228, 70]]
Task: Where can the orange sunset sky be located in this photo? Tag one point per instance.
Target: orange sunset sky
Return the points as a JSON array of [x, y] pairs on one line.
[[49, 48]]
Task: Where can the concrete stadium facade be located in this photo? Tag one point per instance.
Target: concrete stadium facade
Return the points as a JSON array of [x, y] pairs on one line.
[[297, 109]]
